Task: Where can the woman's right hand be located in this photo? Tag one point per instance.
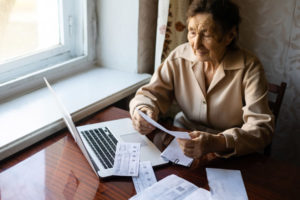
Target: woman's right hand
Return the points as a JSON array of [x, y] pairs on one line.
[[140, 124]]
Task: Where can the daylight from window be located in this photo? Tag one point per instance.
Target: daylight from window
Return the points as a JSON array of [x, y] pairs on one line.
[[27, 27]]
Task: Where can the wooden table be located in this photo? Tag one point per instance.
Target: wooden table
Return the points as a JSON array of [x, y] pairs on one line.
[[55, 169]]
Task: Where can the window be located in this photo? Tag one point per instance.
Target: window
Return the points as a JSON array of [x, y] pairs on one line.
[[28, 27], [68, 60], [36, 35]]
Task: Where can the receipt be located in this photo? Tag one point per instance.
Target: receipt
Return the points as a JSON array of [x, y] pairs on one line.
[[146, 177], [127, 159], [177, 134], [174, 154]]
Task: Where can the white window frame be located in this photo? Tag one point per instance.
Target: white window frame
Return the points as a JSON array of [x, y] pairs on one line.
[[79, 25]]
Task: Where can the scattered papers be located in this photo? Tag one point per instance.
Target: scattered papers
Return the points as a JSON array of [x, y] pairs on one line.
[[127, 159], [226, 184], [146, 177], [177, 134], [172, 187], [174, 154]]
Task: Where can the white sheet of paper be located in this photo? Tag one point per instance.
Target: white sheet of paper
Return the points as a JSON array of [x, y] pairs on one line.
[[146, 177], [199, 194], [226, 184], [173, 187], [177, 134], [127, 159], [174, 154]]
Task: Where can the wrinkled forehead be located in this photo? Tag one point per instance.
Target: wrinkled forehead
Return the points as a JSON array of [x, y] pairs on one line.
[[201, 21]]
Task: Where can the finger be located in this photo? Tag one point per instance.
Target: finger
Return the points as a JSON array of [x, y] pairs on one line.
[[186, 143], [189, 154], [140, 128], [181, 143], [151, 114], [188, 151], [142, 121], [194, 134], [143, 129]]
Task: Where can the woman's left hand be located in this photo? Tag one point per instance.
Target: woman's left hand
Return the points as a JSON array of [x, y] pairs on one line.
[[202, 143], [197, 146]]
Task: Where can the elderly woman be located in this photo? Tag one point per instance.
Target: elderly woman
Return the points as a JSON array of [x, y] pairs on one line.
[[220, 88]]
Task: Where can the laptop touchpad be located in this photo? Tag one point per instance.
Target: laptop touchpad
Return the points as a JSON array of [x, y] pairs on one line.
[[134, 137]]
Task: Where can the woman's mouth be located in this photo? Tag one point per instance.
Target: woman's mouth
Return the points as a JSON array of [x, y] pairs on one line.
[[201, 53]]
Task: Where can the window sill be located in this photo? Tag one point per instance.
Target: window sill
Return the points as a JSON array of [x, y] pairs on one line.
[[34, 116]]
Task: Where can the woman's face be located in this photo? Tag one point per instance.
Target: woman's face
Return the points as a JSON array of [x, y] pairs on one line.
[[206, 38]]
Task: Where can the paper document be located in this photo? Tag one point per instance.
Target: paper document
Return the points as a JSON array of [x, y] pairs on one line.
[[226, 184], [200, 194], [127, 159], [174, 154], [146, 177], [177, 134], [172, 187]]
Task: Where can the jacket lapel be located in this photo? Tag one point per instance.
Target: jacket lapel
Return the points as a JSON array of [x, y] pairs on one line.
[[198, 72], [233, 60], [219, 75]]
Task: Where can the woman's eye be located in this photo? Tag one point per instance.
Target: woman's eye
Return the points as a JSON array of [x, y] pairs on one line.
[[206, 34], [192, 33]]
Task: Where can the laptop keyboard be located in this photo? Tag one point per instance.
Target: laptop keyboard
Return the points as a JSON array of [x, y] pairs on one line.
[[103, 144]]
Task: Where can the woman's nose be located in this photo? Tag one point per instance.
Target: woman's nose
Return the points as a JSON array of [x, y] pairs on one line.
[[198, 42]]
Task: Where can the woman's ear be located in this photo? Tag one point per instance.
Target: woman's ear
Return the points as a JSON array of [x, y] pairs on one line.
[[230, 36]]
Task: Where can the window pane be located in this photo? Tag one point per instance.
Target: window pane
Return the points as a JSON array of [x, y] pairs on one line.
[[27, 26]]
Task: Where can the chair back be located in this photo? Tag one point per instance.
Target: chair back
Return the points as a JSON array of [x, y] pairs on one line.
[[278, 91]]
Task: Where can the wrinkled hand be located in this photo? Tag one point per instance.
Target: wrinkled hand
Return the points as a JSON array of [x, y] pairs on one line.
[[198, 146], [140, 124]]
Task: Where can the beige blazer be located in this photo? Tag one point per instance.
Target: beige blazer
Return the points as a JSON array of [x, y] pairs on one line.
[[235, 103]]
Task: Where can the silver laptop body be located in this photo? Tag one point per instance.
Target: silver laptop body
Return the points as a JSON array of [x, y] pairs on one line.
[[98, 141]]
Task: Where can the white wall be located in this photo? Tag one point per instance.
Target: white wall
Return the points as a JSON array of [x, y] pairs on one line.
[[271, 29], [118, 34]]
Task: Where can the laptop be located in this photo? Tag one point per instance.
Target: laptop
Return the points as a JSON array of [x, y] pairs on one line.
[[98, 141]]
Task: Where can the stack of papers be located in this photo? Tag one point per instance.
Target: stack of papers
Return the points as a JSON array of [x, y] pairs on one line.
[[173, 187], [224, 185]]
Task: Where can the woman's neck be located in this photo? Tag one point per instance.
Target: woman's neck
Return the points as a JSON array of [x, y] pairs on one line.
[[209, 72], [214, 63]]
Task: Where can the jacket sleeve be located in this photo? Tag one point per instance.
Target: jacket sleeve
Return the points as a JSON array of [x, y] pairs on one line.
[[257, 130], [158, 94]]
